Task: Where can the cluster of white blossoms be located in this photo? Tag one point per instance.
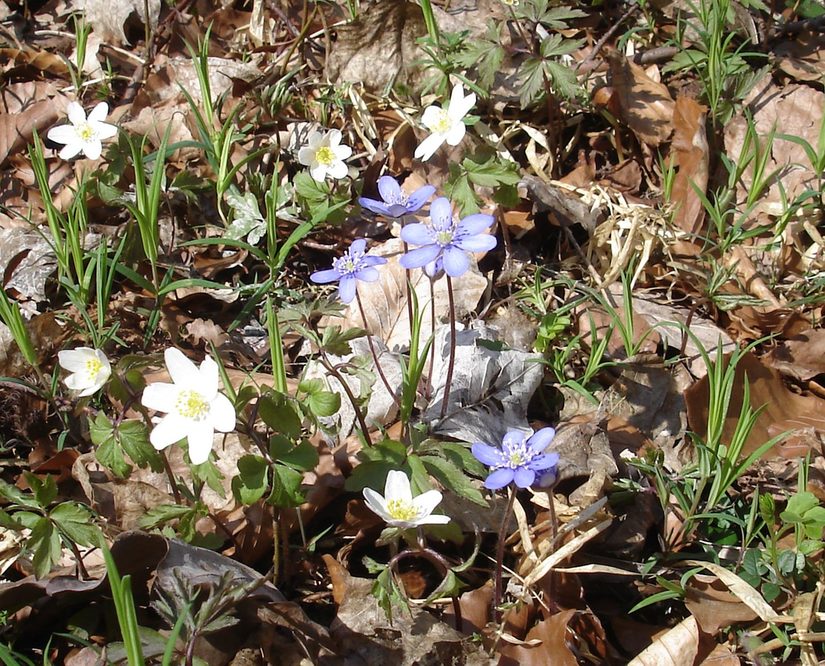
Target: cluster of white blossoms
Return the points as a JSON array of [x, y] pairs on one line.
[[194, 408]]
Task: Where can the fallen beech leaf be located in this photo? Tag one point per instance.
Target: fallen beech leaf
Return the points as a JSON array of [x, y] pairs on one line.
[[714, 606], [803, 57], [783, 409], [802, 357], [551, 648], [646, 105], [678, 646], [490, 388], [690, 144], [743, 591]]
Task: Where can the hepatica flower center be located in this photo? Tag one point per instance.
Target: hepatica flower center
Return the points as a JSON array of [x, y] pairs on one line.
[[191, 405], [349, 263], [401, 509], [325, 156], [518, 455]]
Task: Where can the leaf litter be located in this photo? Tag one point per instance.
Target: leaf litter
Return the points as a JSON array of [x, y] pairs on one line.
[[627, 255]]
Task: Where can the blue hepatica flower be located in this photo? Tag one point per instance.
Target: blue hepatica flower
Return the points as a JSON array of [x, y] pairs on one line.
[[395, 203], [446, 243], [347, 269], [520, 459]]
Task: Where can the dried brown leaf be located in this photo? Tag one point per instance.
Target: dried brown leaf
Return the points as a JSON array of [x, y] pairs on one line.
[[646, 105], [690, 145], [678, 646]]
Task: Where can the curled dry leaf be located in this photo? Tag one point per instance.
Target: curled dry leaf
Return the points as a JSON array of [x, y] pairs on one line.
[[678, 646], [646, 105]]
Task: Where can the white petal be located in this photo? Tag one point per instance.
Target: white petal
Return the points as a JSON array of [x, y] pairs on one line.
[[183, 372], [428, 146], [63, 134], [201, 436], [456, 134], [342, 152], [76, 382], [92, 149], [160, 396], [462, 107], [426, 502], [105, 130], [208, 385], [93, 387], [76, 113], [315, 140], [75, 360], [306, 156], [168, 430], [99, 113], [377, 504], [433, 520], [398, 487], [333, 138], [70, 150], [337, 170], [318, 172], [431, 116], [222, 413]]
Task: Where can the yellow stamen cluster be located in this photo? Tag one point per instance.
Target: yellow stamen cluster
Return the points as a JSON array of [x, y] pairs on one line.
[[191, 405], [443, 123], [93, 367], [402, 510], [86, 132], [325, 156]]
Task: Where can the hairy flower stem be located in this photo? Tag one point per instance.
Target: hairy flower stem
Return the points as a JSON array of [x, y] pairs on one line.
[[171, 475], [502, 537], [358, 415], [429, 387], [451, 361], [375, 353]]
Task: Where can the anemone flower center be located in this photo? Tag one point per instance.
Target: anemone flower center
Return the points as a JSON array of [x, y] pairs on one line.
[[93, 367], [401, 510], [192, 405], [442, 123], [325, 156], [86, 132]]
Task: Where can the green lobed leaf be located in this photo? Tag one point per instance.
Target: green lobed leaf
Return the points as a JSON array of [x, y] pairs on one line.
[[301, 456], [76, 522], [280, 414], [286, 487], [324, 403], [453, 478], [252, 480], [44, 542]]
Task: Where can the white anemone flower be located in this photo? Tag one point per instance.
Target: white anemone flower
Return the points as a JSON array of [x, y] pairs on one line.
[[89, 367], [194, 408], [83, 135], [445, 124], [324, 155], [399, 508]]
